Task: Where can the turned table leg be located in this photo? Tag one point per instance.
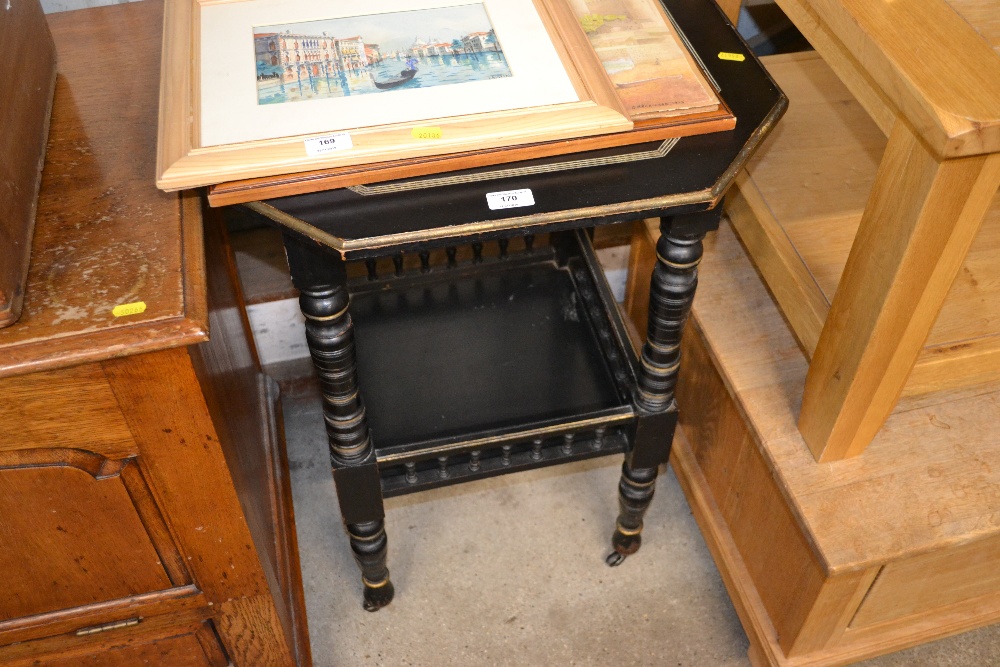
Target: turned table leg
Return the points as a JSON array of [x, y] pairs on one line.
[[672, 288], [321, 278]]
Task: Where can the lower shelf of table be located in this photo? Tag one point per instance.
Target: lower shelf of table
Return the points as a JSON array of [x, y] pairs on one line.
[[492, 367]]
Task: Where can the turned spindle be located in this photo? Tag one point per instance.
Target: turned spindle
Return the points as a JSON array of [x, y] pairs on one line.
[[599, 437], [536, 449]]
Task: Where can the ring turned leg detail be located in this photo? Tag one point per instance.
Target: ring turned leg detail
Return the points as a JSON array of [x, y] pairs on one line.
[[321, 279], [672, 288]]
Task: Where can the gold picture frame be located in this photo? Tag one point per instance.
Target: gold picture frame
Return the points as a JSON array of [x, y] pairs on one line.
[[184, 161]]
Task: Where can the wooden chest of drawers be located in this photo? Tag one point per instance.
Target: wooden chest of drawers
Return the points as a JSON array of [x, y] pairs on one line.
[[144, 515]]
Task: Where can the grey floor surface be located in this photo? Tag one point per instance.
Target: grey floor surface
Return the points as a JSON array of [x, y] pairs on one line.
[[510, 571]]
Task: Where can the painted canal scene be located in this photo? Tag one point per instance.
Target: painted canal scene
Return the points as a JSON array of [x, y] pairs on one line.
[[376, 53]]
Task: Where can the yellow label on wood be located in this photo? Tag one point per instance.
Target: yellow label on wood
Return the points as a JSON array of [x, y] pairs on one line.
[[735, 57], [426, 133], [129, 309]]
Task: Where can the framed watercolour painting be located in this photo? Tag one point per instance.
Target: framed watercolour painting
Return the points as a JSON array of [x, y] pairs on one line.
[[266, 87]]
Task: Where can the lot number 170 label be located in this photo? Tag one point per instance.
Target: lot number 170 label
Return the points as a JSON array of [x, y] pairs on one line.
[[510, 199]]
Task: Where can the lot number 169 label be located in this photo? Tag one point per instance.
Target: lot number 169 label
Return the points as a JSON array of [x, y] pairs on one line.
[[340, 141], [510, 199]]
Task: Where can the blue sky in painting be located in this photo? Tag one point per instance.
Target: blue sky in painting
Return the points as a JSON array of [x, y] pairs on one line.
[[397, 30]]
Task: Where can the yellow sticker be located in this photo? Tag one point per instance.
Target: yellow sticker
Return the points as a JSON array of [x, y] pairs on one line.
[[426, 133], [129, 309], [735, 57]]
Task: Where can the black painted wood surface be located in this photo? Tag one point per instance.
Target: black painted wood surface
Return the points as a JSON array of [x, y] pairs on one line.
[[510, 360], [692, 176]]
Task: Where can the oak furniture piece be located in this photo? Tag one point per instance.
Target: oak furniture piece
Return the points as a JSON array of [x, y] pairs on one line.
[[515, 358], [828, 564], [144, 507], [883, 292], [27, 77]]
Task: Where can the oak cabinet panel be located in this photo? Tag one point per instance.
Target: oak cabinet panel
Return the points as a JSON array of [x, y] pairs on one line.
[[131, 643], [71, 408], [183, 651], [71, 536]]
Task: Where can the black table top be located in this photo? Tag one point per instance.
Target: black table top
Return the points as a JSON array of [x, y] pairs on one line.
[[675, 176]]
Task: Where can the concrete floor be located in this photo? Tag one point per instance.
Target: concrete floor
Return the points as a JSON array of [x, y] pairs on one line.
[[510, 571]]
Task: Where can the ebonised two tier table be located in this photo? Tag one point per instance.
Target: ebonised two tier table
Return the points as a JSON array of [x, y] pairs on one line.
[[510, 353]]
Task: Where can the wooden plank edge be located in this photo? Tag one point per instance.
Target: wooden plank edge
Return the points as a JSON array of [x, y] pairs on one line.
[[304, 182], [798, 295], [955, 366], [11, 304], [208, 166], [86, 649], [176, 108], [193, 270], [158, 603], [290, 574], [112, 343]]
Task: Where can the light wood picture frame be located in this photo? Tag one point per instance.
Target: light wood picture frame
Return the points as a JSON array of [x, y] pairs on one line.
[[184, 161]]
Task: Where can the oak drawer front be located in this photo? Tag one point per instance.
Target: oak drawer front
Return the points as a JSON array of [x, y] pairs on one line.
[[932, 581], [171, 642], [66, 408], [78, 529]]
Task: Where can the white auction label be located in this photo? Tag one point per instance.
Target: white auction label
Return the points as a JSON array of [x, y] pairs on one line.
[[340, 141], [510, 199]]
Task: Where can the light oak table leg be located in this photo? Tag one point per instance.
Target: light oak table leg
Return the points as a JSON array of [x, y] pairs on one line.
[[918, 224]]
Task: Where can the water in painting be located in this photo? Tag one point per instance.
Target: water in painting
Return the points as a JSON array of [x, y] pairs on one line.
[[376, 53]]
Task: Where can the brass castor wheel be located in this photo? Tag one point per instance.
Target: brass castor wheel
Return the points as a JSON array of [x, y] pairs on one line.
[[378, 596]]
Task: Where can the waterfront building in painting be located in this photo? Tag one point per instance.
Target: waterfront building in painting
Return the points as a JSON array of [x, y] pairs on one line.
[[436, 49], [292, 57], [372, 54], [474, 42], [352, 53], [478, 42]]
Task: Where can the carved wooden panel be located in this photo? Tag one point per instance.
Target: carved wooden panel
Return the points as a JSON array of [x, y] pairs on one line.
[[78, 529]]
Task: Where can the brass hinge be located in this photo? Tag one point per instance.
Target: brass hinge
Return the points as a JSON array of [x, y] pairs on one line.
[[108, 626]]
